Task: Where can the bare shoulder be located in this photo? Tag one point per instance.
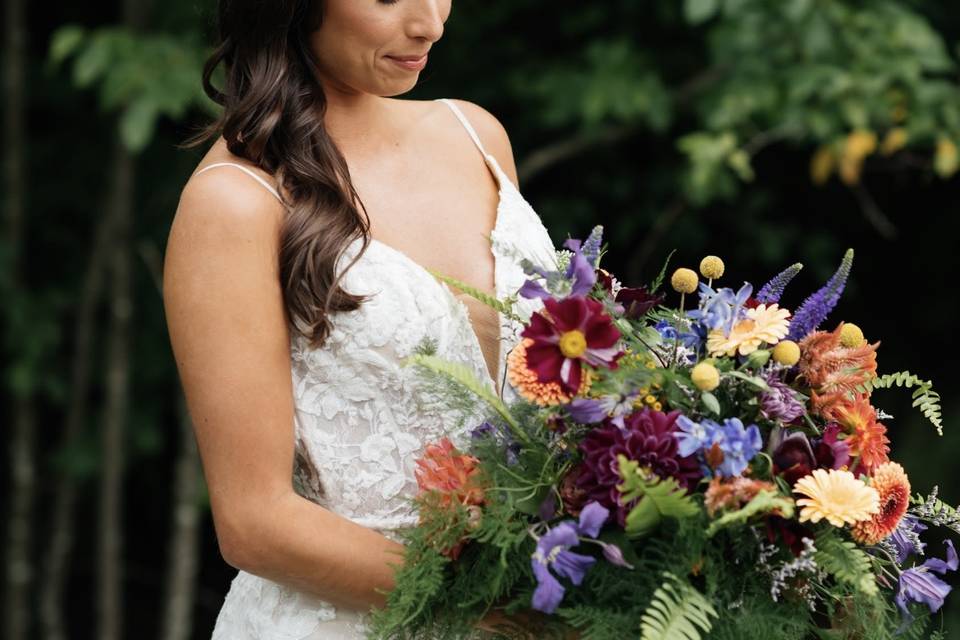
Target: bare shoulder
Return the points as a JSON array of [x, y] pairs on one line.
[[492, 134], [222, 200]]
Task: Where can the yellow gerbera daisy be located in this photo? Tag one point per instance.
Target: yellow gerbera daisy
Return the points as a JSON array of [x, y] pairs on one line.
[[764, 324], [837, 496]]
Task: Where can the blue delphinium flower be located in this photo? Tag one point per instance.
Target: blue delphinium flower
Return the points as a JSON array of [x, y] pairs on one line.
[[918, 584], [738, 444], [720, 309], [553, 551]]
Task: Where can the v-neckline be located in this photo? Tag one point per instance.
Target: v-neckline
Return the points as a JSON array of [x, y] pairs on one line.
[[491, 163]]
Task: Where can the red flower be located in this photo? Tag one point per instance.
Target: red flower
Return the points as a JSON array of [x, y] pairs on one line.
[[566, 334]]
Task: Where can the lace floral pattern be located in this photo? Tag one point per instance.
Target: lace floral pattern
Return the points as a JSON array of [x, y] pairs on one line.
[[361, 419]]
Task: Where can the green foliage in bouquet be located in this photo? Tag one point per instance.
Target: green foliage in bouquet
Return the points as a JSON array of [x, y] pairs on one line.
[[659, 498], [717, 473], [923, 394]]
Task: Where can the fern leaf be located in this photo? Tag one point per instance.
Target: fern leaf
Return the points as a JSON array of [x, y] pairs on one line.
[[466, 378], [764, 502], [677, 612], [500, 305], [846, 562], [923, 395], [659, 498]]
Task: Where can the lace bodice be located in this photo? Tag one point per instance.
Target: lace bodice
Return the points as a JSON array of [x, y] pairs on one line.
[[362, 418]]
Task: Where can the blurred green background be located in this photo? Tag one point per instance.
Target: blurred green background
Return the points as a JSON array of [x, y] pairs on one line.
[[763, 131]]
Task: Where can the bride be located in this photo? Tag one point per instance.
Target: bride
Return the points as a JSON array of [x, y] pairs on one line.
[[296, 282]]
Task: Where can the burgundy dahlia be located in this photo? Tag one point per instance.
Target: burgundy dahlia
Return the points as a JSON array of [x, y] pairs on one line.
[[647, 437]]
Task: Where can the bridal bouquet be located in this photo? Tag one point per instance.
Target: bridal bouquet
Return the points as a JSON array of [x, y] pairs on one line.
[[699, 464]]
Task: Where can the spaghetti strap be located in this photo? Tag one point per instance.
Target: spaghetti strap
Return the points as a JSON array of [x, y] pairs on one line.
[[466, 124], [266, 185]]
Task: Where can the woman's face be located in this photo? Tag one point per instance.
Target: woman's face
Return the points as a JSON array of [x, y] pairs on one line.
[[377, 46]]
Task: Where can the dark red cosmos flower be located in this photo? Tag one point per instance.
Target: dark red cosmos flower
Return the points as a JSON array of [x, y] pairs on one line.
[[566, 334]]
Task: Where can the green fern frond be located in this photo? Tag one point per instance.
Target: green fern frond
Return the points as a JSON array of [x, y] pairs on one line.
[[659, 498], [466, 378], [846, 562], [764, 502], [501, 306], [923, 394], [677, 612]]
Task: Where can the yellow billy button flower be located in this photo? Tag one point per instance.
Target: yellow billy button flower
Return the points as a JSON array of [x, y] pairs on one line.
[[705, 376], [711, 267], [573, 344], [851, 336], [684, 281], [787, 352]]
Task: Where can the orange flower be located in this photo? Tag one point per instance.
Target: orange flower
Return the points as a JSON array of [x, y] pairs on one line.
[[447, 478], [525, 381], [867, 437], [453, 476], [892, 484], [734, 493], [832, 369]]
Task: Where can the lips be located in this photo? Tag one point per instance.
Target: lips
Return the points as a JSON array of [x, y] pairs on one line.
[[409, 58]]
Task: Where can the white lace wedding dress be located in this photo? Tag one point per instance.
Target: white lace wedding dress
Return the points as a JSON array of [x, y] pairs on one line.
[[360, 417]]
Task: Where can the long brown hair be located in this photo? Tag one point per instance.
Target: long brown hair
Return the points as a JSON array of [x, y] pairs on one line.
[[273, 107]]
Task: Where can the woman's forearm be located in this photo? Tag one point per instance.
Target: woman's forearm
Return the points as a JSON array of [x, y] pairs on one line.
[[295, 542]]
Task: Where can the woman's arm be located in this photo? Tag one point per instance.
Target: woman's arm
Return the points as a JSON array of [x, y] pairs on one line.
[[228, 330]]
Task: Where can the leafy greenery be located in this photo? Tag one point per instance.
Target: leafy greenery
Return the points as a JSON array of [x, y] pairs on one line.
[[659, 498], [677, 612], [923, 395]]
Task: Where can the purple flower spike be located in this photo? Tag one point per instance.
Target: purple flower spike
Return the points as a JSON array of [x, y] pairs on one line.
[[591, 248], [920, 585], [818, 306], [772, 291]]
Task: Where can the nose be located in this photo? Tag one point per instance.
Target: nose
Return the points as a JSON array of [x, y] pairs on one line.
[[427, 18]]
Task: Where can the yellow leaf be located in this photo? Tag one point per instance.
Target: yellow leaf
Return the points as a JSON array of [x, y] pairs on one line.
[[946, 161], [858, 145], [895, 140], [821, 164]]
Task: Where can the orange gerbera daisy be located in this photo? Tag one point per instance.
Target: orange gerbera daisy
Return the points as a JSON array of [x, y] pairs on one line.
[[867, 437], [525, 380], [892, 484]]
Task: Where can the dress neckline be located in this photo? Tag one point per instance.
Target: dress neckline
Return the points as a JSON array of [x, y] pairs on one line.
[[502, 182]]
